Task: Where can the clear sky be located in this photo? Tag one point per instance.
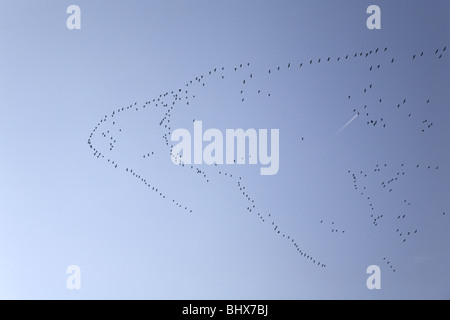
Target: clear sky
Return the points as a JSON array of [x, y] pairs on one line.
[[346, 197]]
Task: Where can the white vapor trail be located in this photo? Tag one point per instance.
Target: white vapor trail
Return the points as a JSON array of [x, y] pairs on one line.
[[347, 124]]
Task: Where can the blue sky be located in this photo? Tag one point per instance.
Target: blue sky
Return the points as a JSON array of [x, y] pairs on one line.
[[60, 205]]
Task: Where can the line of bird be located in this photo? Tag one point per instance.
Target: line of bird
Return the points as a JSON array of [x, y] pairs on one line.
[[389, 264]]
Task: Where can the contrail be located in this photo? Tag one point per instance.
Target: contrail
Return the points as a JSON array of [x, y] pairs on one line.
[[346, 125]]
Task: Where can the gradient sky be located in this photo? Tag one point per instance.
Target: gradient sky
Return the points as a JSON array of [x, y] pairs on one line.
[[61, 206]]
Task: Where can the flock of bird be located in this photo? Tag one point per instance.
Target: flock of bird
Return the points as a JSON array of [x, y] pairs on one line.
[[333, 228], [377, 104], [385, 183], [183, 99]]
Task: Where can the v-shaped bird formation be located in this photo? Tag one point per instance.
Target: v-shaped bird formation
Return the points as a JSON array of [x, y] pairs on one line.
[[251, 85]]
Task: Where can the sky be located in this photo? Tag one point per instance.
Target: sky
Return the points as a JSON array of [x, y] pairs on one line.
[[363, 149]]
